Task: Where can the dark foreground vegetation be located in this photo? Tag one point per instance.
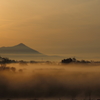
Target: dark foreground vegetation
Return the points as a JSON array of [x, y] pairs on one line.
[[74, 60], [41, 81], [4, 60]]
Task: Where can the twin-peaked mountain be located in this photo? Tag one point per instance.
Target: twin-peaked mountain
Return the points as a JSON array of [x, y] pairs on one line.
[[19, 49]]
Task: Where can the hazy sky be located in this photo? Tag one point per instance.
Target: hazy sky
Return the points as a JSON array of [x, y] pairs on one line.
[[51, 26]]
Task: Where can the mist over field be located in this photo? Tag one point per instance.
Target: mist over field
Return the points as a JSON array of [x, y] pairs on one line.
[[43, 38], [50, 80]]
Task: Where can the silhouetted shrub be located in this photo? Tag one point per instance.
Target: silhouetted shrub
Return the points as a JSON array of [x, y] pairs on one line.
[[68, 60], [6, 60], [20, 70]]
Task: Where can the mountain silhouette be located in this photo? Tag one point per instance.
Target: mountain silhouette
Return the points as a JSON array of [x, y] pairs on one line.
[[18, 49], [23, 52]]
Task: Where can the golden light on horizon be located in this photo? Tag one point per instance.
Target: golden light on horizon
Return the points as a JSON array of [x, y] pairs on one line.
[[49, 24]]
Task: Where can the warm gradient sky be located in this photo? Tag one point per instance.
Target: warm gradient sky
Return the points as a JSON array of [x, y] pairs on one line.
[[51, 26]]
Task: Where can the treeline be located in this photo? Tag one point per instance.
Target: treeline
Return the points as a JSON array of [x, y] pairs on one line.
[[74, 60], [6, 60], [3, 67]]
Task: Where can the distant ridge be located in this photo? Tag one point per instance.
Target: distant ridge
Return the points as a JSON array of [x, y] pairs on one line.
[[18, 49], [23, 52]]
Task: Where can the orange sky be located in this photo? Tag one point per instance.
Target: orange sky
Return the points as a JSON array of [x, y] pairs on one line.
[[51, 26]]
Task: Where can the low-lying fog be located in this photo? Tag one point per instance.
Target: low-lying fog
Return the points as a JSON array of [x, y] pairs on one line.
[[49, 80]]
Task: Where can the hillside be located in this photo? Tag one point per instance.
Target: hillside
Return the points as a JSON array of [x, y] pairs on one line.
[[18, 49]]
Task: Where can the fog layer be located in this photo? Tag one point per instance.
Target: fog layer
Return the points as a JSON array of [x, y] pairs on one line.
[[41, 80]]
